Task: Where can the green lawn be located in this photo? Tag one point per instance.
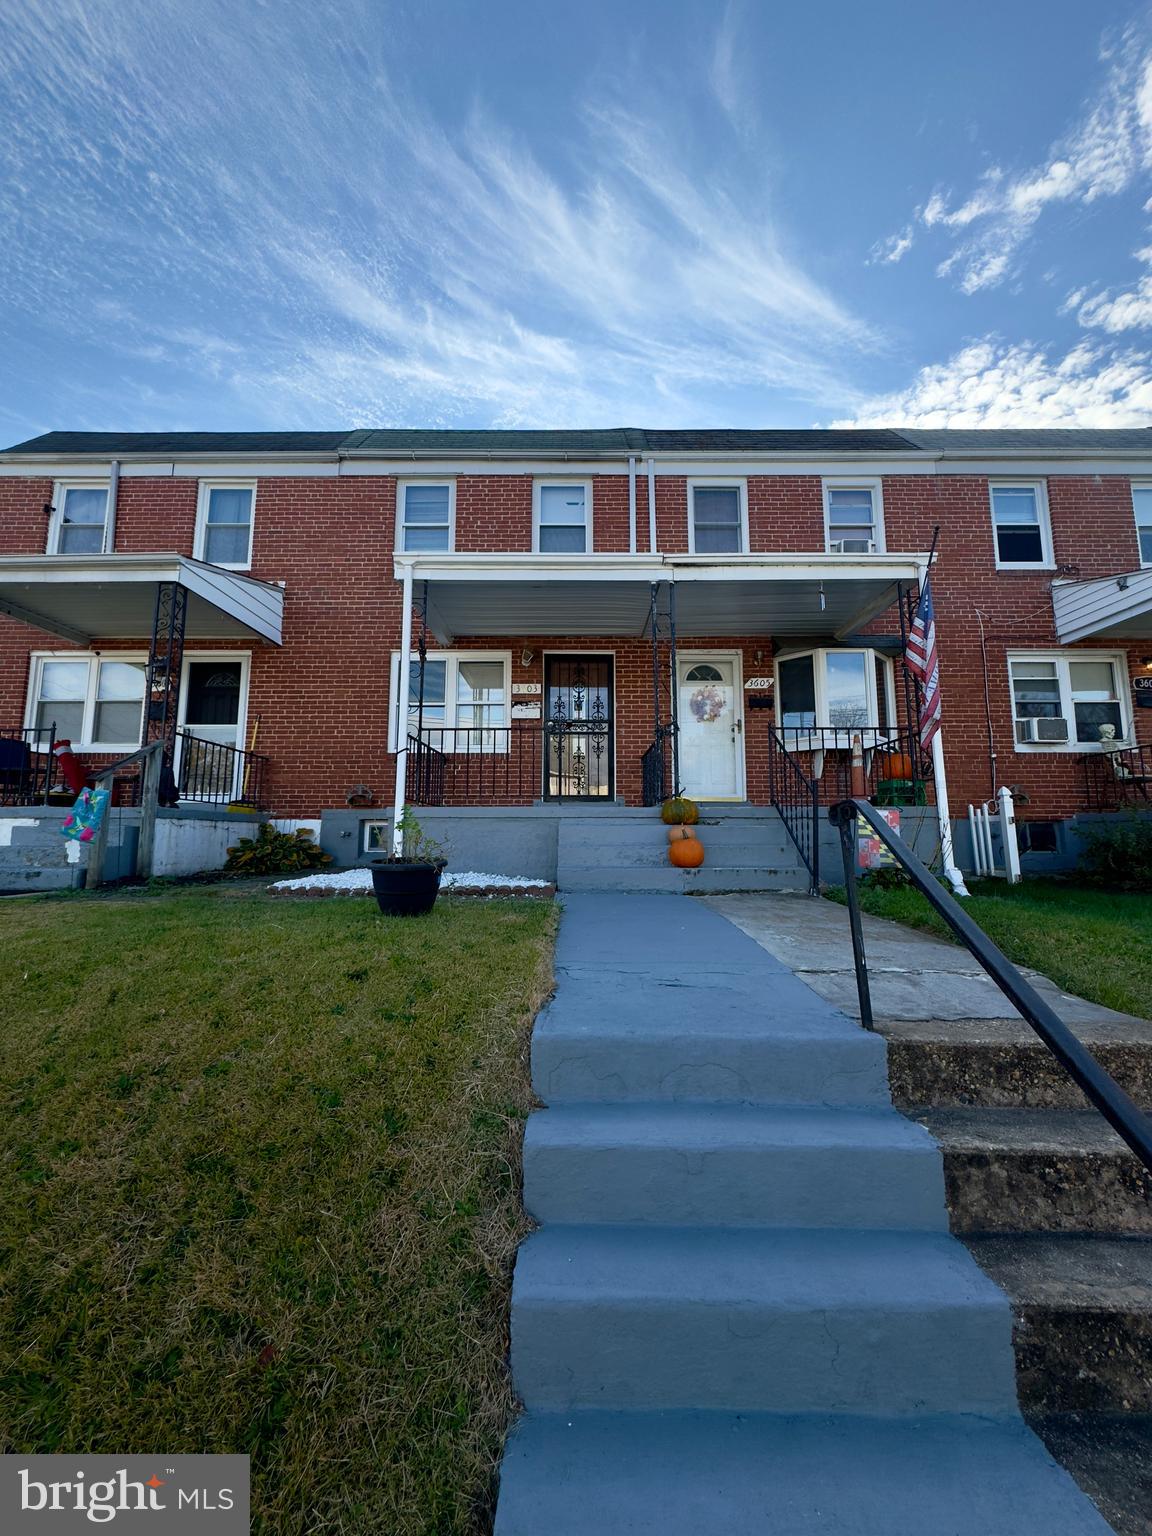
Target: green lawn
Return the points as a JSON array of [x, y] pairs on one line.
[[1097, 944], [259, 1161]]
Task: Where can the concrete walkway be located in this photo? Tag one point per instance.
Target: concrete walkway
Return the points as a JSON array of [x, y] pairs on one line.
[[743, 1314]]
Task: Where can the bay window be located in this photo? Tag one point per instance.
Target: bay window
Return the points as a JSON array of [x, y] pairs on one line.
[[79, 524], [1061, 699], [96, 702], [834, 689], [465, 705]]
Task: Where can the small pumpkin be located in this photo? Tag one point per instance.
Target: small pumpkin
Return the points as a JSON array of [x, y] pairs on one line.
[[686, 853], [678, 833], [680, 811], [895, 765]]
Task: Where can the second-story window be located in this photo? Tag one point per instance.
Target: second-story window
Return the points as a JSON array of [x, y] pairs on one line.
[[563, 517], [1020, 524], [425, 515], [1142, 506], [224, 525], [852, 516], [79, 520], [716, 518]]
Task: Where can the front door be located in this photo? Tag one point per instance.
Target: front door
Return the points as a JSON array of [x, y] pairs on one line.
[[711, 728], [208, 769], [579, 750]]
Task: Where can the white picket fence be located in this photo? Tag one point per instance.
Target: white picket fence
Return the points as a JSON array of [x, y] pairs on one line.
[[984, 846]]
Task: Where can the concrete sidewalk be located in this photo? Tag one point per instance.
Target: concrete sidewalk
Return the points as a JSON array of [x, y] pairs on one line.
[[913, 975]]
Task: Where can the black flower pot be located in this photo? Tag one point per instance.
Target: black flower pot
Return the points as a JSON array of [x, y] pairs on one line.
[[405, 890]]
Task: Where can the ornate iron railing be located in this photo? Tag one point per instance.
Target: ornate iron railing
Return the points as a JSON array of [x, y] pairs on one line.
[[27, 765], [897, 770], [213, 773], [795, 794], [654, 765], [461, 765], [1124, 1116], [1117, 778]]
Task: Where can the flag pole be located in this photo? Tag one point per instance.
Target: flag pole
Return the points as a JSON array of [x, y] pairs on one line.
[[952, 872]]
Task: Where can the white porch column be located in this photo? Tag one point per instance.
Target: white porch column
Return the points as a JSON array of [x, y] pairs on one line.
[[402, 689], [951, 872]]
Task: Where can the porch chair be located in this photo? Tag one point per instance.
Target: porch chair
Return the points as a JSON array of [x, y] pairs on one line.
[[1125, 777], [15, 768]]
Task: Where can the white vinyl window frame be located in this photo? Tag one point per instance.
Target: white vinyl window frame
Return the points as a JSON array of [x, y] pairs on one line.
[[542, 482], [1047, 561], [718, 482], [820, 655], [1062, 659], [875, 488], [86, 742], [421, 482], [1142, 492], [451, 702], [56, 522], [375, 837], [203, 498]]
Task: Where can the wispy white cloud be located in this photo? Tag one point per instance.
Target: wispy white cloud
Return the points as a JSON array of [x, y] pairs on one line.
[[1112, 310], [1106, 152], [247, 197], [990, 383], [893, 249]]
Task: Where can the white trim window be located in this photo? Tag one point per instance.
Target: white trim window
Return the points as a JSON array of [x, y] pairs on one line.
[[562, 517], [834, 688], [225, 514], [466, 700], [79, 523], [1070, 701], [718, 517], [96, 702], [425, 516], [1142, 510], [853, 517], [376, 837], [1021, 529]]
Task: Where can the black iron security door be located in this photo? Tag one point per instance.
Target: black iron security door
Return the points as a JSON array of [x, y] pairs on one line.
[[579, 751]]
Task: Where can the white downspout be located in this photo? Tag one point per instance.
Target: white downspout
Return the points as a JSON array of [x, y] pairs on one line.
[[632, 504], [402, 691], [651, 506], [948, 858], [110, 519]]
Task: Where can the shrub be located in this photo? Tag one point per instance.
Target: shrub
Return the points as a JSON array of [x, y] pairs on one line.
[[272, 853], [1118, 853], [889, 877]]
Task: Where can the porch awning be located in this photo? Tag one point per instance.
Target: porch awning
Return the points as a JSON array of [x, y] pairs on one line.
[[555, 595], [112, 597], [1106, 608]]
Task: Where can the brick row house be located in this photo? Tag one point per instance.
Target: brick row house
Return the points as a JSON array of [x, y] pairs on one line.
[[591, 618]]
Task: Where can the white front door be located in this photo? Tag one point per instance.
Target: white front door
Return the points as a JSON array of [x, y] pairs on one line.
[[711, 728]]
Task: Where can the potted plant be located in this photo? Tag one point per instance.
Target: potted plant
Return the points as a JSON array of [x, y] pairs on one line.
[[407, 883]]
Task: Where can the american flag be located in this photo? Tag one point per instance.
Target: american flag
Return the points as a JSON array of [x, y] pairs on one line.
[[923, 663]]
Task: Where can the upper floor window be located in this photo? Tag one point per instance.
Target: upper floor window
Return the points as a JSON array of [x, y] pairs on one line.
[[1142, 506], [79, 523], [224, 524], [93, 701], [1020, 524], [563, 517], [853, 517], [1067, 699], [717, 517], [425, 515]]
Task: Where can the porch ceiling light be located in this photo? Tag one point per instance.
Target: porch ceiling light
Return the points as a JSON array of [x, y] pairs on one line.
[[527, 657]]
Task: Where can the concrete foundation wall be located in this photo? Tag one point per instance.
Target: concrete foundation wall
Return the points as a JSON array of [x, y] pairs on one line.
[[516, 841]]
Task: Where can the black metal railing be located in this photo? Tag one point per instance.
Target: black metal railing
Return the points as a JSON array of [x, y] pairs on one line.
[[461, 765], [897, 770], [27, 765], [654, 766], [1118, 777], [213, 773], [1124, 1116], [795, 794]]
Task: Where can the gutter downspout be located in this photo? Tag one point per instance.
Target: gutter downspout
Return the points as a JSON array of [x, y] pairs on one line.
[[110, 520], [651, 506], [402, 689], [631, 503]]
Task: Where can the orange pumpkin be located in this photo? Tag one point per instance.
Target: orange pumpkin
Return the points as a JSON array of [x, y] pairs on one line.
[[680, 811], [687, 853], [677, 834], [894, 765]]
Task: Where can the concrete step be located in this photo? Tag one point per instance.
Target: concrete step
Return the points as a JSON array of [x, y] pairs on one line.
[[762, 1475], [1083, 1310], [731, 1166], [763, 1037], [1110, 1456], [1038, 1170], [1002, 1062], [626, 1318], [638, 880]]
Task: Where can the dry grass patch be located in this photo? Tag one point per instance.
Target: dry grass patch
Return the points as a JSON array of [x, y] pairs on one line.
[[260, 1168]]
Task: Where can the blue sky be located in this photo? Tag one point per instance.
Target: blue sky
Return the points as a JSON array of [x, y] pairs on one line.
[[272, 213]]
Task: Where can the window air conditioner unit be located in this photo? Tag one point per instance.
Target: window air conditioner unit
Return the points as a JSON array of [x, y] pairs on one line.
[[1041, 730], [853, 546]]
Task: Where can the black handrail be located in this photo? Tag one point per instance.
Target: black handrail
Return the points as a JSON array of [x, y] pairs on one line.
[[654, 768], [1123, 1115], [795, 795]]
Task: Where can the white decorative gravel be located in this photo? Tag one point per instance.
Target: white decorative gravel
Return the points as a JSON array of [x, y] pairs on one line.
[[361, 880]]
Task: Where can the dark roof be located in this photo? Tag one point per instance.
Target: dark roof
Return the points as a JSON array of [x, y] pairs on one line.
[[405, 442]]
